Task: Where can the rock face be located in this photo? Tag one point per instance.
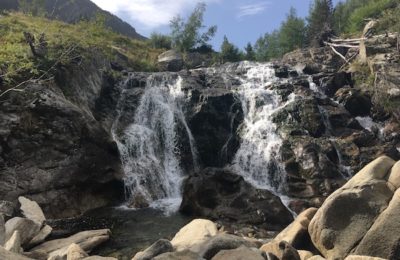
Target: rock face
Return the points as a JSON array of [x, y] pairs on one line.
[[52, 146], [220, 194]]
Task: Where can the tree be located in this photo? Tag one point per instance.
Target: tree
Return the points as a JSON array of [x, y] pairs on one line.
[[229, 52], [250, 54], [320, 19], [186, 36], [292, 32], [268, 47], [160, 41]]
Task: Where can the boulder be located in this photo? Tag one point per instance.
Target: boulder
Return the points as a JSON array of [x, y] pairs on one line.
[[221, 194], [75, 252], [27, 228], [356, 102], [2, 230], [359, 257], [347, 214], [181, 255], [283, 250], [87, 240], [194, 233], [386, 230], [38, 255], [304, 255], [41, 236], [220, 242], [316, 257], [7, 255], [170, 61], [159, 247], [241, 253], [335, 82], [32, 210], [96, 257], [296, 233], [14, 243], [394, 176]]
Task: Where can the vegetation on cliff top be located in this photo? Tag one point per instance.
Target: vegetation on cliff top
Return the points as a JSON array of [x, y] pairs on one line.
[[66, 44]]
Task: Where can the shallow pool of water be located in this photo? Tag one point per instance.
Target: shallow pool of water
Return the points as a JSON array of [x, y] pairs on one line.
[[134, 230]]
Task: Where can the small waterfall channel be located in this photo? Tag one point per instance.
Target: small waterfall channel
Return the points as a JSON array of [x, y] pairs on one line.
[[149, 145]]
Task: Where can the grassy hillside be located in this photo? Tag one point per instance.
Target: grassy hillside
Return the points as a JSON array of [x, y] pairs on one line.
[[66, 44]]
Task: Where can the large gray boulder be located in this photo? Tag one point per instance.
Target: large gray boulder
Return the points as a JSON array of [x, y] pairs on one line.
[[384, 233], [27, 228], [349, 212], [170, 61]]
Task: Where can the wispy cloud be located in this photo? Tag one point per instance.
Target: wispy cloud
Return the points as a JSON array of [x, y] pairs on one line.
[[252, 9], [148, 13]]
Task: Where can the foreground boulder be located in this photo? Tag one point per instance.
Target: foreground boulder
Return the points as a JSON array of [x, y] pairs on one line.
[[32, 210], [87, 240], [193, 234], [221, 194], [181, 255], [7, 255], [27, 229], [240, 253], [348, 214]]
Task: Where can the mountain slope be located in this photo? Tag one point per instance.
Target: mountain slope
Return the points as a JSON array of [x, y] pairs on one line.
[[72, 11]]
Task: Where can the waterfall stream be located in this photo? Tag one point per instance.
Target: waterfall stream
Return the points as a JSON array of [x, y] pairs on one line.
[[149, 146]]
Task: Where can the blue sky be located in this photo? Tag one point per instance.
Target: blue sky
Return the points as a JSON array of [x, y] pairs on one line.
[[241, 21]]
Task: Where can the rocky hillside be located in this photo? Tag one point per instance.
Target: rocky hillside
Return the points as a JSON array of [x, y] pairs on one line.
[[72, 12]]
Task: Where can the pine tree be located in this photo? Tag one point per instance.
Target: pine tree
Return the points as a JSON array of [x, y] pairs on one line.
[[250, 54], [292, 32], [229, 52], [320, 19]]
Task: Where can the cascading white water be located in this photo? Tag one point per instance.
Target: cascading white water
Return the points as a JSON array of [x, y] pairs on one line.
[[257, 159], [148, 146]]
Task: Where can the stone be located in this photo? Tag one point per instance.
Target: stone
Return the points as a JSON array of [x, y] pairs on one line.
[[296, 233], [14, 243], [359, 257], [159, 247], [316, 257], [356, 102], [377, 169], [170, 61], [96, 257], [7, 255], [181, 255], [304, 254], [87, 240], [220, 242], [241, 253], [27, 228], [348, 213], [41, 236], [283, 250], [7, 208], [38, 255], [2, 230], [32, 210], [194, 233], [394, 176], [75, 252], [220, 193], [386, 230]]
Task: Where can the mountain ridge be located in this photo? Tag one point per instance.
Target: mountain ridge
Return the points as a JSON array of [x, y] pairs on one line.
[[72, 11]]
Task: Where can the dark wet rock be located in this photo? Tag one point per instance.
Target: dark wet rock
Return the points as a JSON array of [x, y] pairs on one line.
[[356, 102], [334, 83], [170, 61], [221, 194]]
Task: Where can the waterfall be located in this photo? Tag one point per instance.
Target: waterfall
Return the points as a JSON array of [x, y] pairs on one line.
[[149, 145], [258, 158]]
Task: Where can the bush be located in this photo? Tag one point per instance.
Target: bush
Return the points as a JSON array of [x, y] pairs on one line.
[[160, 41]]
